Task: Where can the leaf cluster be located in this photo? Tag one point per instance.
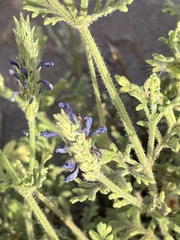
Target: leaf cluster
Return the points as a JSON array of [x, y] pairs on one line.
[[72, 14]]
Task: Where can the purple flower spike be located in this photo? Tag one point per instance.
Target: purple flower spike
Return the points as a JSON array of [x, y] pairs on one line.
[[13, 73], [12, 62], [68, 110], [46, 64], [98, 131], [24, 71], [61, 150], [70, 165], [50, 86], [49, 134], [88, 123], [72, 176], [14, 95]]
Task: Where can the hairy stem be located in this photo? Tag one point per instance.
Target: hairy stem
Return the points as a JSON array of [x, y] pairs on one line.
[[152, 134], [10, 170], [41, 217], [28, 221], [32, 145], [58, 212], [93, 49], [114, 188], [164, 231], [97, 94], [84, 7], [165, 221]]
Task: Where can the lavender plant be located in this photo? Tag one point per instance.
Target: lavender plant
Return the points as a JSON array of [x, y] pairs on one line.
[[139, 181]]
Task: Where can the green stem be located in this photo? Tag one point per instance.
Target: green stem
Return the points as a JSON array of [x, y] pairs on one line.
[[114, 188], [170, 117], [98, 6], [97, 94], [28, 221], [84, 7], [159, 147], [60, 10], [93, 49], [66, 220], [10, 170], [32, 146], [152, 134], [41, 217], [164, 231], [165, 220]]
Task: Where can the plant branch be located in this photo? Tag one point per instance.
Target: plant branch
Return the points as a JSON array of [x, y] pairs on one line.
[[32, 145], [97, 94], [28, 221], [58, 212], [89, 41], [41, 217], [114, 188], [10, 170]]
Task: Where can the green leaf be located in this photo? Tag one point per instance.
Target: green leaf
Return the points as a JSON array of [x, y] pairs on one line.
[[85, 190], [9, 148], [68, 12], [172, 9], [124, 82], [104, 232]]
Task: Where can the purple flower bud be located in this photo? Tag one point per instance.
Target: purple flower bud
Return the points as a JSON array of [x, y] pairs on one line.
[[31, 99], [49, 134], [68, 110], [72, 176], [50, 86], [98, 131], [61, 150], [13, 73], [14, 95], [24, 71], [12, 62], [46, 64], [25, 85], [70, 165], [88, 124]]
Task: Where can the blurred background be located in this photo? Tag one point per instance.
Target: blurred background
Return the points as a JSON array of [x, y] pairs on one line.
[[126, 40]]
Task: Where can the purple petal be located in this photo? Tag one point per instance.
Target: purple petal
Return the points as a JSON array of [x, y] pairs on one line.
[[88, 124], [68, 110], [14, 95], [13, 73], [49, 134], [98, 131], [61, 150], [31, 99], [72, 176], [70, 165], [12, 62], [50, 86], [46, 64], [24, 71]]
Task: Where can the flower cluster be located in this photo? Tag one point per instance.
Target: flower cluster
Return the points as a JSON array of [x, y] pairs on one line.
[[27, 81], [77, 135]]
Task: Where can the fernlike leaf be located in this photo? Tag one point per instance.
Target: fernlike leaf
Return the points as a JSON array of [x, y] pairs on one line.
[[85, 190], [103, 232]]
